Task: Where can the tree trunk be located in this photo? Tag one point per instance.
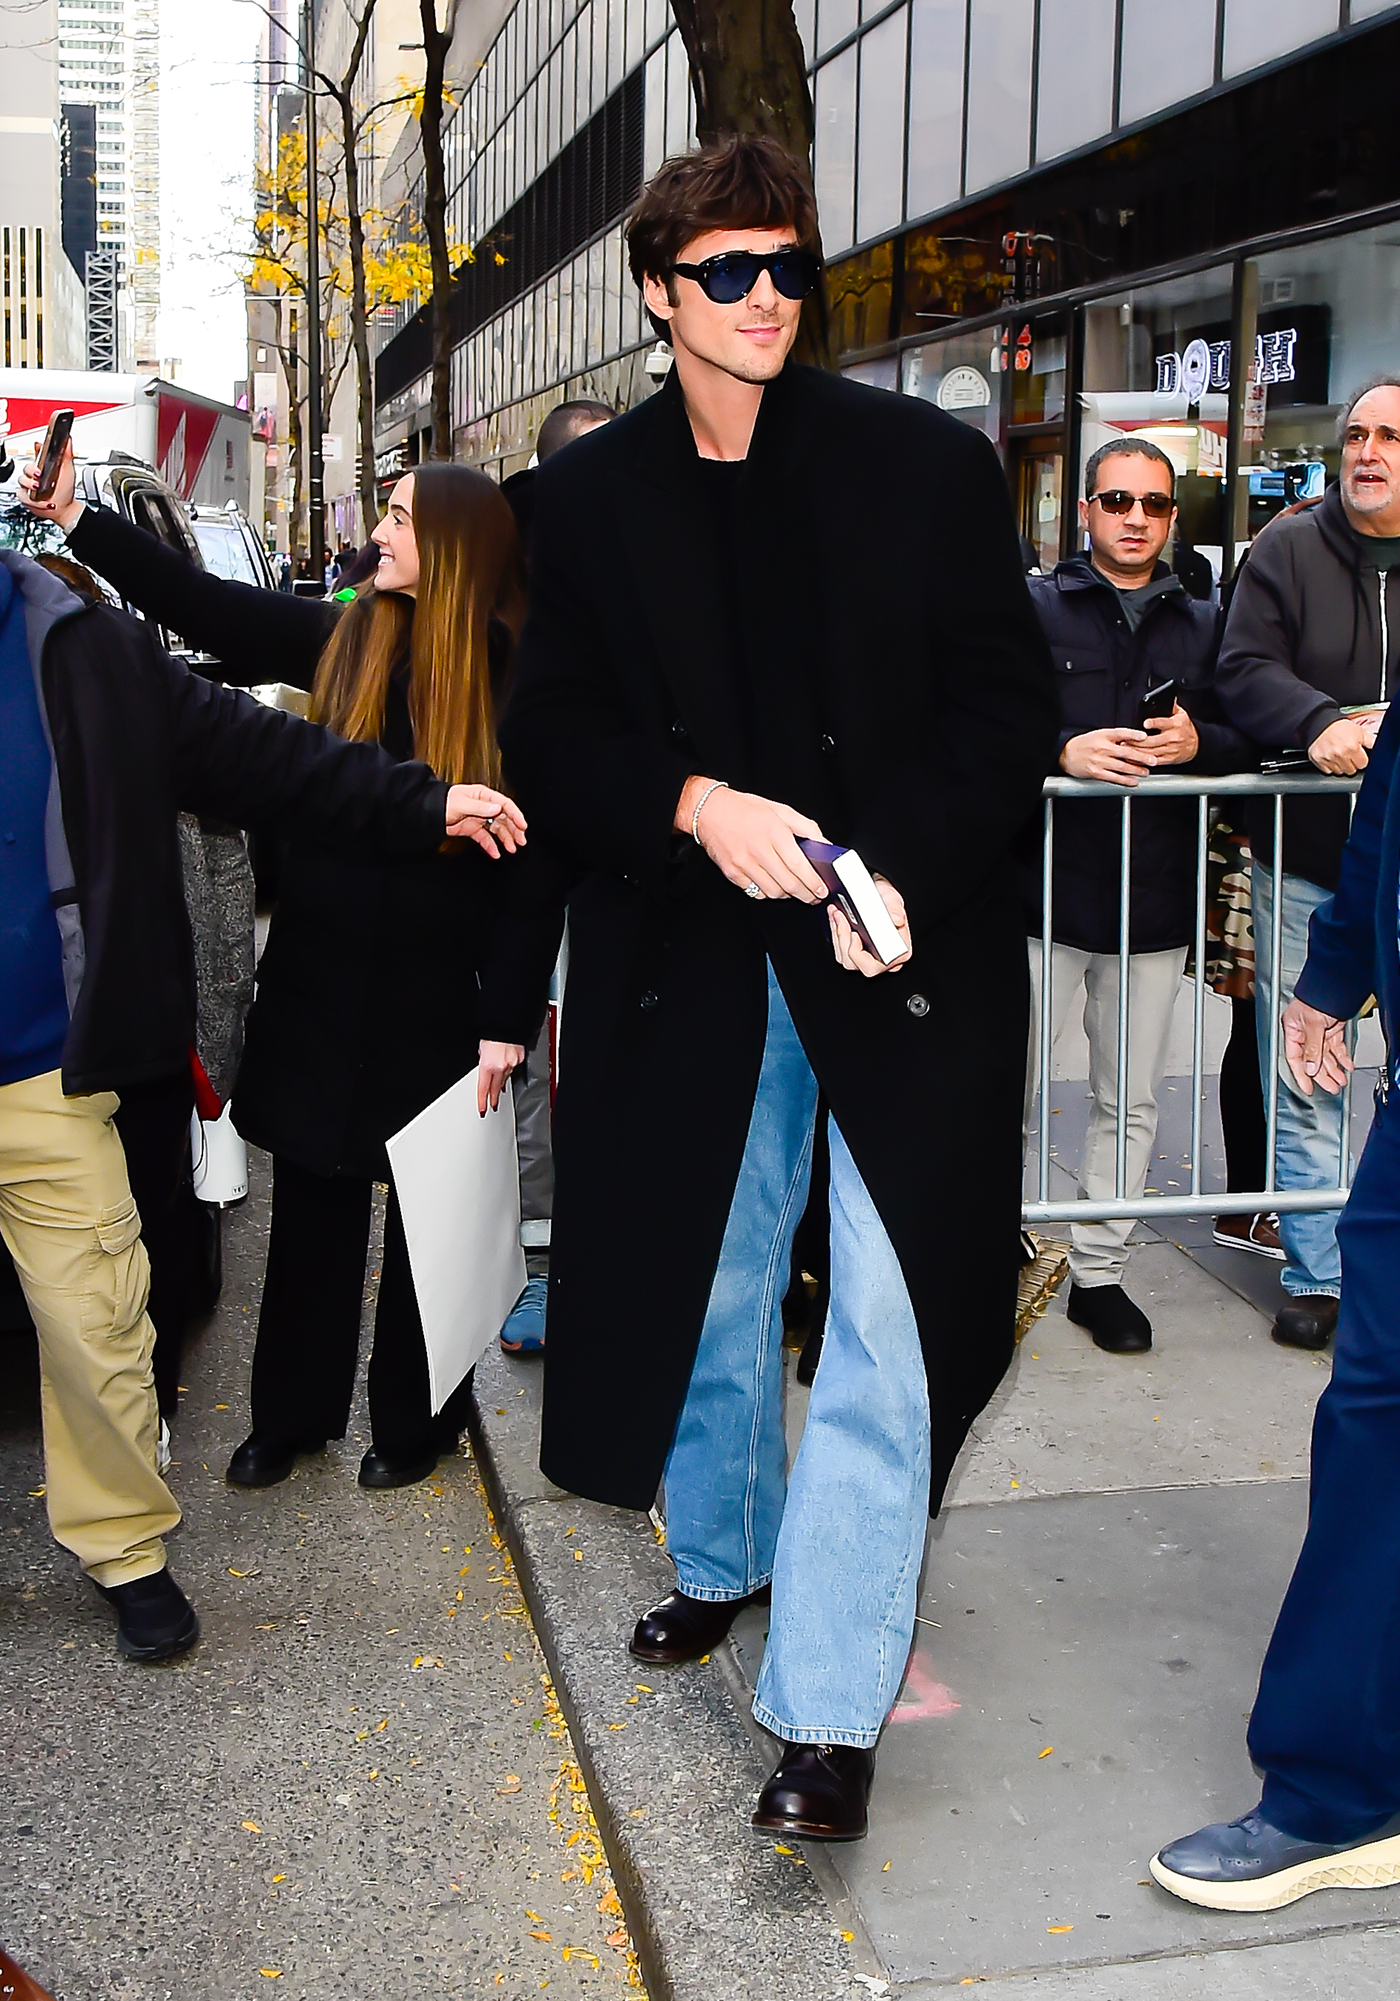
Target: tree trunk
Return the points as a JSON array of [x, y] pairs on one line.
[[359, 294], [747, 70], [749, 74], [436, 43]]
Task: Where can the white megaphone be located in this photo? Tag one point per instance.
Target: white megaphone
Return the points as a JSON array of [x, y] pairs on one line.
[[219, 1157]]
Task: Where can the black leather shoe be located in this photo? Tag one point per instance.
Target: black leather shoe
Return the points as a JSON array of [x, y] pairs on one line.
[[682, 1629], [1106, 1312], [1309, 1321], [398, 1469], [155, 1620], [262, 1462], [818, 1793]]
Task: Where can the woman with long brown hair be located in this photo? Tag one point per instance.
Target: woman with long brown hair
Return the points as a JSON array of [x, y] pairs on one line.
[[383, 981]]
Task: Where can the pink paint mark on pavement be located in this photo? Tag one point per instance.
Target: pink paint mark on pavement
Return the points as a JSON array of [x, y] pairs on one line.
[[922, 1698]]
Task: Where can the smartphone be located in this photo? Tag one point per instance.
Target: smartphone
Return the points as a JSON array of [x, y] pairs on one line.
[[51, 453], [1158, 701]]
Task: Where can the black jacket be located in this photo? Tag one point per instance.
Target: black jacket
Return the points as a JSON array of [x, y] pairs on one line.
[[1102, 671], [381, 973], [1310, 631], [136, 739], [889, 641]]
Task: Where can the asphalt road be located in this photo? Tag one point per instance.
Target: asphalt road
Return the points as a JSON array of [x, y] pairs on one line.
[[358, 1783]]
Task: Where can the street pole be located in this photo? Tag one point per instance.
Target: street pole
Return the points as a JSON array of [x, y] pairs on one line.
[[315, 428]]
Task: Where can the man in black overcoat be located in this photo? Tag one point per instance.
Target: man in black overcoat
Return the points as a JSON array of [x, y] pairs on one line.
[[769, 603]]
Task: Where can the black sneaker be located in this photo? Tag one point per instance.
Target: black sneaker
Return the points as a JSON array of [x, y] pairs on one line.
[[1106, 1312], [155, 1620]]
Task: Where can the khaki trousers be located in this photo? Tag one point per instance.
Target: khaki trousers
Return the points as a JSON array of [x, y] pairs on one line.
[[1099, 1251], [71, 1226]]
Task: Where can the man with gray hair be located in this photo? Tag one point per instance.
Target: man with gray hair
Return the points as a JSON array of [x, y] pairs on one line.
[[1307, 662]]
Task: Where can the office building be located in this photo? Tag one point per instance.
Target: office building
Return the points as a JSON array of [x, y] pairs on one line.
[[1059, 219], [42, 316], [109, 58]]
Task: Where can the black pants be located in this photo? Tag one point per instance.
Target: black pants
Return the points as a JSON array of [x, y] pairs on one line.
[[179, 1232], [309, 1325], [1242, 1101]]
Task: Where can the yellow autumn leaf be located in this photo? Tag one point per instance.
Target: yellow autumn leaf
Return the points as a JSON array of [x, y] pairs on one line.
[[270, 1972], [1059, 1928], [252, 1827], [1048, 1752]]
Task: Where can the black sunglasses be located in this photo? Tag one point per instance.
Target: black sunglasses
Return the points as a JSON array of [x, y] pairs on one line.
[[733, 274], [1157, 506]]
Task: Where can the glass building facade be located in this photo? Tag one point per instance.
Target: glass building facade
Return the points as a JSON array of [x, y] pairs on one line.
[[1060, 220]]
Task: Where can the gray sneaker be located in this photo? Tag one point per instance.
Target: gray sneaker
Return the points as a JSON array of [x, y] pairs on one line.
[[1250, 1865]]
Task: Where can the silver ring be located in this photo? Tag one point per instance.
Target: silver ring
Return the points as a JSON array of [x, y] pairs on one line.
[[752, 889]]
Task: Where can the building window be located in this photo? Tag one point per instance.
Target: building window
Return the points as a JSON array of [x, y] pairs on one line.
[[835, 103], [880, 163], [1074, 93], [999, 91], [937, 41]]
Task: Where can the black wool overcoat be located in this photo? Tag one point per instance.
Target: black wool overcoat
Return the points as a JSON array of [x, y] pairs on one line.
[[895, 685]]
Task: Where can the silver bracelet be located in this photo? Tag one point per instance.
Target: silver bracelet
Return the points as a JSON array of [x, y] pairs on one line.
[[720, 784]]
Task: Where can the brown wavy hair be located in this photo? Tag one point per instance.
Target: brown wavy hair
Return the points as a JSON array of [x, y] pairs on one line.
[[470, 572], [741, 182]]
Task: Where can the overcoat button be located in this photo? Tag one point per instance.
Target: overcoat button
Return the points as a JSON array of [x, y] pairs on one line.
[[917, 1006], [678, 729], [828, 744], [648, 999]]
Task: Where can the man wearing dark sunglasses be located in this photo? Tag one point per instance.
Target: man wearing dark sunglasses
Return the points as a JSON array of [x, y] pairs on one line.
[[771, 604], [1120, 625]]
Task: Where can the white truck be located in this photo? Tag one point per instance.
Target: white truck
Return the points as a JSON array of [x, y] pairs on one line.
[[199, 447]]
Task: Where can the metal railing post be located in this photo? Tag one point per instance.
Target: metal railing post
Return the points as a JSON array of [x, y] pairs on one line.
[[1198, 1021], [1125, 901], [1198, 1201], [1047, 1015], [1276, 1006]]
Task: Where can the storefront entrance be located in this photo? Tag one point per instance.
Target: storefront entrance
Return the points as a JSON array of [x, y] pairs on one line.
[[1037, 484]]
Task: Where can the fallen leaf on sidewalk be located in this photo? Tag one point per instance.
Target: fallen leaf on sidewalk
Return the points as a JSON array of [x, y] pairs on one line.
[[512, 1785], [270, 1972], [1059, 1928], [543, 1935], [251, 1826], [1048, 1752]]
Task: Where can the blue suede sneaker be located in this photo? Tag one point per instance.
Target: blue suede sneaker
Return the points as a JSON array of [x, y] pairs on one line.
[[523, 1333], [1249, 1865]]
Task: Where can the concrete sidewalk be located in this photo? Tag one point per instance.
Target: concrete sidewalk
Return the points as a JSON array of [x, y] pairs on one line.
[[357, 1784], [1095, 1606]]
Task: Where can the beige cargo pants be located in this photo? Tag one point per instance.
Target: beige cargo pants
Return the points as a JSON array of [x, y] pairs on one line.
[[71, 1226]]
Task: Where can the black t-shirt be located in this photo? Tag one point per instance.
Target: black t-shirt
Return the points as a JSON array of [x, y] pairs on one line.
[[780, 713]]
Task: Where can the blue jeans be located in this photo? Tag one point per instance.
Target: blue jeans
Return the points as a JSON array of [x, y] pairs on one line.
[[1309, 1129], [842, 1540], [1326, 1725]]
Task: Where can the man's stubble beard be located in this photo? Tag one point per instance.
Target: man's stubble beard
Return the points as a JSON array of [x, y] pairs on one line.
[[1365, 505]]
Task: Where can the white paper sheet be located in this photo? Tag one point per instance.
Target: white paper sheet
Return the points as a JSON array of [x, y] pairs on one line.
[[458, 1186]]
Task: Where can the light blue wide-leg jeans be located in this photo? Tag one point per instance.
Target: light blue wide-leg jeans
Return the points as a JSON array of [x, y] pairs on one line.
[[843, 1541], [1309, 1129]]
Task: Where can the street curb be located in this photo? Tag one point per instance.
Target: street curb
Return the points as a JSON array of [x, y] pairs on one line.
[[715, 1912]]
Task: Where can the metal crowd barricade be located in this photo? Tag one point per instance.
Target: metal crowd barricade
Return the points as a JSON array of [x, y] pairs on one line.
[[1172, 785]]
